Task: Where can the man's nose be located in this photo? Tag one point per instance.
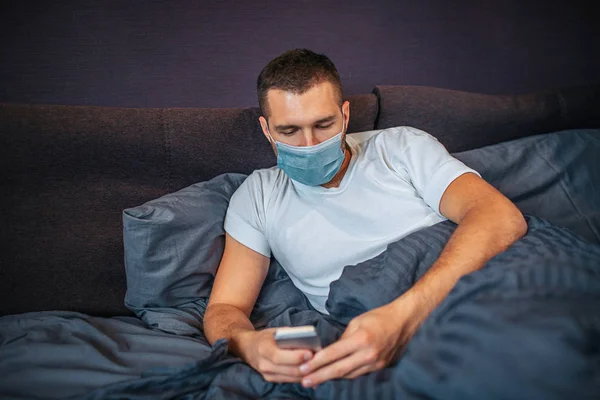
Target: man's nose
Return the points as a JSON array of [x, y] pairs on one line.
[[310, 139]]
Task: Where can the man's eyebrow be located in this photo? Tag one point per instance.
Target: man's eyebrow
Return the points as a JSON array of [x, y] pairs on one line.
[[319, 121], [285, 127], [326, 119]]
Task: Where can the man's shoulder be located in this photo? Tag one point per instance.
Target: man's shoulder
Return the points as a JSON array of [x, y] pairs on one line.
[[398, 138], [402, 133], [267, 176], [262, 182]]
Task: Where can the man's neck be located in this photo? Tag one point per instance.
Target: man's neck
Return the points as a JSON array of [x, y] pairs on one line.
[[337, 179]]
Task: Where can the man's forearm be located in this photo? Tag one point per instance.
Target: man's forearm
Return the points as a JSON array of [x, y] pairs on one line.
[[482, 234], [229, 322]]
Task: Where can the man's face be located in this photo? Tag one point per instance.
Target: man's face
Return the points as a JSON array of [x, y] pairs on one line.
[[304, 119]]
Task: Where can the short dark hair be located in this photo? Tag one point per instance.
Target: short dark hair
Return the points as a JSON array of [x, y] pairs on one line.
[[296, 71]]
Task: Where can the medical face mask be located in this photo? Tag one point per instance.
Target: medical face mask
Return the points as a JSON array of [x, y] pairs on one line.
[[311, 165]]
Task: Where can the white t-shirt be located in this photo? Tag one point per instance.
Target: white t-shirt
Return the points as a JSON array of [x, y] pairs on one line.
[[393, 186]]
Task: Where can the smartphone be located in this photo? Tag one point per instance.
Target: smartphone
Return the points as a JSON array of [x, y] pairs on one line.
[[298, 337]]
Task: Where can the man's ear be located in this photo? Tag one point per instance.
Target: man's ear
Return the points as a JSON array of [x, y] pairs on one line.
[[264, 126], [346, 109]]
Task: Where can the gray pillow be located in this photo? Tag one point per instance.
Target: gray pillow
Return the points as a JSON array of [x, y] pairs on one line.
[[173, 246], [554, 176]]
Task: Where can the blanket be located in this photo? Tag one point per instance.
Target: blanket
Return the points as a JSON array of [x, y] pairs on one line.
[[525, 326]]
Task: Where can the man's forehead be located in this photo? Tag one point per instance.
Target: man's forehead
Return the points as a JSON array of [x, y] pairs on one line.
[[318, 102]]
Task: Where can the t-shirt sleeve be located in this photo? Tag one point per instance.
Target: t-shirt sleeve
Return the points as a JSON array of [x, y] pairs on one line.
[[431, 169], [245, 218]]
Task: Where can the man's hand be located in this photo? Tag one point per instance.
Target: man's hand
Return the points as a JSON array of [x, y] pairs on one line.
[[260, 351], [370, 342]]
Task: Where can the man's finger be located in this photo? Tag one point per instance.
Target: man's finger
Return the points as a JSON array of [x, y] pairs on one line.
[[278, 378], [365, 369], [336, 351], [267, 367], [337, 369], [290, 357], [286, 356]]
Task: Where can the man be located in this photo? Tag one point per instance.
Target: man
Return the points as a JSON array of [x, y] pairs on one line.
[[334, 201]]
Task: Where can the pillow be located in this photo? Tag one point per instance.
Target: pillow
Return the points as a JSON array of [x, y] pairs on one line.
[[173, 246], [554, 176]]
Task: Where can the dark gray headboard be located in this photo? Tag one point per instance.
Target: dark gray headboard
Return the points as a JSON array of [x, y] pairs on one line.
[[463, 121]]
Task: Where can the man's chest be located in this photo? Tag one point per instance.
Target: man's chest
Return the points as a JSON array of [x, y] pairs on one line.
[[314, 236]]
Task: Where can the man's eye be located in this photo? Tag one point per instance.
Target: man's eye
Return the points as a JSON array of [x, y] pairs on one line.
[[288, 133]]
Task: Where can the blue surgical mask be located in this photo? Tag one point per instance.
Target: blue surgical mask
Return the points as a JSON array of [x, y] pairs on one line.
[[311, 165]]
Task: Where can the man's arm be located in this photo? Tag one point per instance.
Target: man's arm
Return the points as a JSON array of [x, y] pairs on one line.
[[488, 223], [238, 281], [237, 284]]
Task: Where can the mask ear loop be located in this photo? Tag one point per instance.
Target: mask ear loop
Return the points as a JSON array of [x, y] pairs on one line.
[[344, 144], [269, 132]]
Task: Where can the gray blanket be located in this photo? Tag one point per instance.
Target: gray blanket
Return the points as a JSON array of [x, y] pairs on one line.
[[525, 326]]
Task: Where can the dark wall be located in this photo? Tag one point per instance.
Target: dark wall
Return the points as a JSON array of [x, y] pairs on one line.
[[192, 53]]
